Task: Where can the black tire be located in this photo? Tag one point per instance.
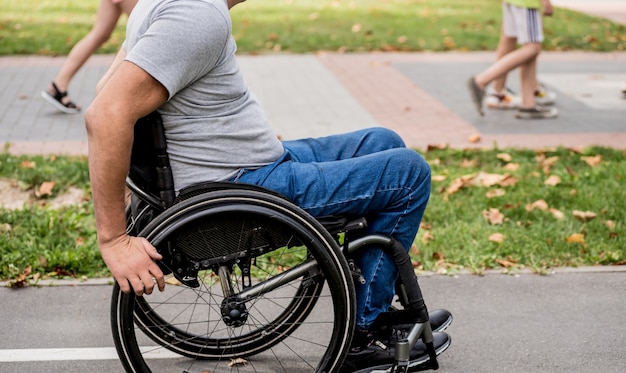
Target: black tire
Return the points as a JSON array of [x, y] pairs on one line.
[[303, 325]]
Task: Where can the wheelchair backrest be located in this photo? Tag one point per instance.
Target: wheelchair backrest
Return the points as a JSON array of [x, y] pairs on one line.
[[150, 165]]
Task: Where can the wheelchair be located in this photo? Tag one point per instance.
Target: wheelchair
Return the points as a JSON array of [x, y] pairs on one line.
[[254, 283]]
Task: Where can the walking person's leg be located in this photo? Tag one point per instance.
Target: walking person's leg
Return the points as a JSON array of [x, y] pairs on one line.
[[106, 19], [531, 36]]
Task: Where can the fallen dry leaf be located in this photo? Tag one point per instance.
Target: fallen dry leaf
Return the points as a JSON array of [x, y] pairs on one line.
[[539, 204], [237, 361], [432, 147], [576, 238], [414, 250], [546, 163], [504, 157], [506, 263], [496, 237], [172, 281], [486, 180], [45, 189], [511, 166], [553, 180], [469, 163], [427, 236], [28, 164], [356, 27], [575, 149], [593, 161], [584, 215], [493, 216], [474, 138], [495, 193], [459, 183], [610, 224], [508, 181], [570, 171], [556, 213], [438, 255], [439, 178]]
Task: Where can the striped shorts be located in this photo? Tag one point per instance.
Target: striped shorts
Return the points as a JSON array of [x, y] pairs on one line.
[[522, 23]]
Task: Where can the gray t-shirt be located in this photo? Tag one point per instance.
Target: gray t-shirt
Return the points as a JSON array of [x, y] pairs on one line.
[[213, 124]]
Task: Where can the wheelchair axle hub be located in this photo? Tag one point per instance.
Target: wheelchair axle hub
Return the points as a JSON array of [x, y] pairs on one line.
[[234, 313]]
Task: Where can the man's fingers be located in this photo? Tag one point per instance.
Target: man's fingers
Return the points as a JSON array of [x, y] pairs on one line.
[[124, 285], [148, 283], [154, 268], [151, 250], [158, 276], [137, 285]]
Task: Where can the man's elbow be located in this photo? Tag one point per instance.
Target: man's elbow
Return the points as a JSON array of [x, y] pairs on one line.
[[91, 119]]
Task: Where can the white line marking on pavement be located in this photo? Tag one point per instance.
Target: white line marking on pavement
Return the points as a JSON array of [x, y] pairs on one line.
[[72, 354]]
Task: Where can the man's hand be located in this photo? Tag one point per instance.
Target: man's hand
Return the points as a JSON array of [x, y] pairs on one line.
[[131, 260]]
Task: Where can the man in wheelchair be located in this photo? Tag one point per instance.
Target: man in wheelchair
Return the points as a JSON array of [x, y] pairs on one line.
[[179, 59]]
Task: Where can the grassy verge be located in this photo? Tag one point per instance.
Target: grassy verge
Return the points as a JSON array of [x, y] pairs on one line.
[[512, 209], [300, 26], [493, 209]]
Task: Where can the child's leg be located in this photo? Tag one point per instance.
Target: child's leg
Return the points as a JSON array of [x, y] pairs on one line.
[[507, 63], [524, 24], [507, 44], [528, 82]]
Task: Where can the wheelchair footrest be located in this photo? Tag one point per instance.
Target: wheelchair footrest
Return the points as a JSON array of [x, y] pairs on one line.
[[406, 316]]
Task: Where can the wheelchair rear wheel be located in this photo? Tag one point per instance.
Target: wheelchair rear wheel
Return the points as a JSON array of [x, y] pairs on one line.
[[271, 291]]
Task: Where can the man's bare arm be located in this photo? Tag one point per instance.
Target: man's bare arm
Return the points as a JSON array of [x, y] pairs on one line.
[[128, 94], [119, 57]]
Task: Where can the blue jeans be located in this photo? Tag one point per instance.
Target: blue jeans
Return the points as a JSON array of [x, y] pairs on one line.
[[366, 173]]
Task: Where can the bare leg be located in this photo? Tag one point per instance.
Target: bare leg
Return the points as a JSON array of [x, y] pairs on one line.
[[507, 63], [506, 45], [528, 82], [106, 19]]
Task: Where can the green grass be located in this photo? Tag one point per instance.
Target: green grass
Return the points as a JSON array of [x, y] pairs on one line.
[[302, 26], [39, 242], [532, 239]]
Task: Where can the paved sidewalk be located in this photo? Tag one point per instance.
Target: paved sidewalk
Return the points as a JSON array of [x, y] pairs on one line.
[[563, 323], [420, 95]]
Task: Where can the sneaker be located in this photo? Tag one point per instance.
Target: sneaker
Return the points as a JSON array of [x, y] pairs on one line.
[[377, 348], [379, 356], [544, 96], [477, 94], [504, 99], [537, 112]]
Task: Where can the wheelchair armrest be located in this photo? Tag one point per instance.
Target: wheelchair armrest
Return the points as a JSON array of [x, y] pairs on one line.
[[338, 224]]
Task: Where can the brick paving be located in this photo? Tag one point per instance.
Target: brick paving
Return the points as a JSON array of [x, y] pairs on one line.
[[422, 96]]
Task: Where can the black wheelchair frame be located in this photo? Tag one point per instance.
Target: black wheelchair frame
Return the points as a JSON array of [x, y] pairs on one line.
[[196, 233]]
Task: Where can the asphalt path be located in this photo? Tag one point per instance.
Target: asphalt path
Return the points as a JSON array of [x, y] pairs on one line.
[[570, 321]]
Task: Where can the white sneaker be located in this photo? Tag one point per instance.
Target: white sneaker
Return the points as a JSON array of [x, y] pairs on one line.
[[537, 112], [544, 96], [505, 99]]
